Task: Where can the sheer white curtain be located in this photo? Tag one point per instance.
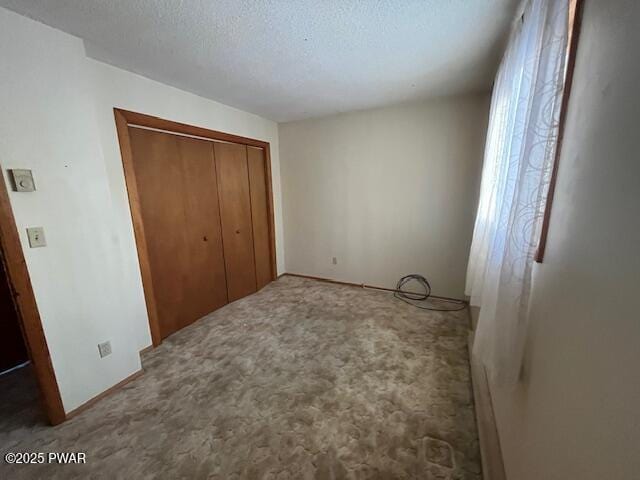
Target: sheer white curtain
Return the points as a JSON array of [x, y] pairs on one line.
[[519, 152]]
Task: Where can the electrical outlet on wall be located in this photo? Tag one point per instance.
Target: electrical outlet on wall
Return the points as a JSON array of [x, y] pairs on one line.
[[334, 261], [104, 349]]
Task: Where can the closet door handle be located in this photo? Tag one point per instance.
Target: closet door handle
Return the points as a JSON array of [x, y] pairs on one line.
[[237, 232], [205, 238]]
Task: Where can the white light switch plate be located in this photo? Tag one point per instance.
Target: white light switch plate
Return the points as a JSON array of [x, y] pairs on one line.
[[36, 237], [22, 180]]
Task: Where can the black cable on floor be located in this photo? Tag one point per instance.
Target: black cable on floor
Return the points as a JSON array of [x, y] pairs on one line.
[[412, 297]]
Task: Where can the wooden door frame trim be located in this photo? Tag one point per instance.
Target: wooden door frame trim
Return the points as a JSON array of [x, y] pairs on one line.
[[566, 95], [28, 315], [126, 118]]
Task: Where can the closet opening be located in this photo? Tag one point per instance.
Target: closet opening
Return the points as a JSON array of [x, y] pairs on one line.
[[201, 203]]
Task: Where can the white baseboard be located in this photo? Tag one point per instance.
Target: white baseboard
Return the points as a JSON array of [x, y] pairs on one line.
[[490, 451]]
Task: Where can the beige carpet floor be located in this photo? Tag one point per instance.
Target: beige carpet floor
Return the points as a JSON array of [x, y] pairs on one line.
[[303, 380]]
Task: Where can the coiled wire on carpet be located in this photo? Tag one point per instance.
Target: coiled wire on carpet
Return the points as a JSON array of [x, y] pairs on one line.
[[412, 297]]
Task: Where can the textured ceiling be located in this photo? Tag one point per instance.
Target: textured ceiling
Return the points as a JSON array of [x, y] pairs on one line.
[[293, 59]]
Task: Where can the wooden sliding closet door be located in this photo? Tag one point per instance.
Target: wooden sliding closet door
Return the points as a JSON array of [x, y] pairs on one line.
[[260, 215], [176, 182], [235, 213], [207, 277]]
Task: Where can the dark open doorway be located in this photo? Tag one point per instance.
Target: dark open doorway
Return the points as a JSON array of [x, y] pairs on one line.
[[22, 331], [13, 351], [19, 406]]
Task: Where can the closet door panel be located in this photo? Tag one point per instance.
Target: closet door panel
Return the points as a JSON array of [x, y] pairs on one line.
[[206, 281], [259, 215], [159, 177], [235, 214]]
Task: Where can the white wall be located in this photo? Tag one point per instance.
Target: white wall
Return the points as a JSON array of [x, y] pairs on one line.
[[388, 192], [114, 87], [577, 413], [56, 118]]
